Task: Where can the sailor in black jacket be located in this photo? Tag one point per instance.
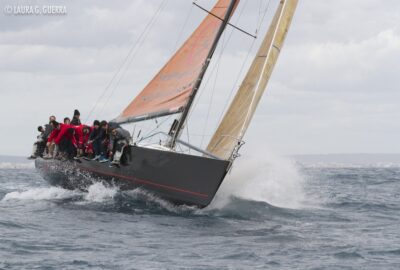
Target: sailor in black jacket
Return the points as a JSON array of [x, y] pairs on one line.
[[75, 119], [119, 139]]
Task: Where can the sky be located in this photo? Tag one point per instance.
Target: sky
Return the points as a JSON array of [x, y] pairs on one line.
[[333, 90]]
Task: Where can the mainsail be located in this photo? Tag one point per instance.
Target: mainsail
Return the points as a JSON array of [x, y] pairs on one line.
[[169, 91], [233, 126]]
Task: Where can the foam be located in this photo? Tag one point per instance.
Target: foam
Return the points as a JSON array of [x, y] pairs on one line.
[[48, 193], [98, 192]]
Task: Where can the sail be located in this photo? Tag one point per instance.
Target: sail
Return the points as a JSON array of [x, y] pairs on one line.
[[169, 91], [237, 118]]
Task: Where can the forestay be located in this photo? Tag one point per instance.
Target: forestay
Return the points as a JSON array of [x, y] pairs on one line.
[[233, 126]]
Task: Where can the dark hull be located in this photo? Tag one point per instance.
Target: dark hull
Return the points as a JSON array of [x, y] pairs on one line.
[[179, 178]]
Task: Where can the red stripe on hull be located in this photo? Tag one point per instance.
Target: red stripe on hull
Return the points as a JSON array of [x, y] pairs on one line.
[[146, 182]]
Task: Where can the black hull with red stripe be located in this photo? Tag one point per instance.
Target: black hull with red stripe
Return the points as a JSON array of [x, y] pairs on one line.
[[179, 178]]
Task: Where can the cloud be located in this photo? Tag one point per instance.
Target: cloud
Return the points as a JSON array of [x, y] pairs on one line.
[[334, 88]]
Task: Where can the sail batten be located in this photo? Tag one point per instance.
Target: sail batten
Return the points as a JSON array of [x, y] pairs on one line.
[[170, 90], [233, 126]]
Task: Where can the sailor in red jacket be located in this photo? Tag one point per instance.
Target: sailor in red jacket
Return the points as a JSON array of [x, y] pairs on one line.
[[63, 140], [78, 134], [82, 137], [63, 133], [87, 149]]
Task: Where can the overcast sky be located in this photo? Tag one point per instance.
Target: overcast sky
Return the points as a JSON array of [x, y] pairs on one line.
[[334, 89]]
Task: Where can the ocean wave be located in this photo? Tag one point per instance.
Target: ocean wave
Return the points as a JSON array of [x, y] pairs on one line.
[[394, 252], [245, 209], [363, 206], [152, 202], [348, 255], [341, 165], [11, 165]]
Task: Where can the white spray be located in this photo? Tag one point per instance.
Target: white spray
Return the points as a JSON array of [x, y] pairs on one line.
[[98, 192], [269, 178], [45, 193]]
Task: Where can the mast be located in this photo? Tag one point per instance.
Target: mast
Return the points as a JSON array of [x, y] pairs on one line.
[[227, 139], [178, 128]]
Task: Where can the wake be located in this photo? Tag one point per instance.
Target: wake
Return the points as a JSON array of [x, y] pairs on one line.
[[97, 192]]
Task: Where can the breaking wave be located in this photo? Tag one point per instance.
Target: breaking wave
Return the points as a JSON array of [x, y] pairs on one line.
[[98, 192]]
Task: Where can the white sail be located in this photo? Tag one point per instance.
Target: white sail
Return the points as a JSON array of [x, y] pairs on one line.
[[236, 120]]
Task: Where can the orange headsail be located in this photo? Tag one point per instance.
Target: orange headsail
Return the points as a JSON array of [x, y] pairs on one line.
[[168, 92]]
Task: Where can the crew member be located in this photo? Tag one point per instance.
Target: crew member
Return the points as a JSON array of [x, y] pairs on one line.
[[94, 139], [48, 128], [104, 140], [76, 118], [82, 133], [119, 139], [52, 149], [39, 145], [65, 141]]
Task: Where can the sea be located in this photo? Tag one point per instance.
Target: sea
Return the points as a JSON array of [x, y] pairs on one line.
[[275, 212]]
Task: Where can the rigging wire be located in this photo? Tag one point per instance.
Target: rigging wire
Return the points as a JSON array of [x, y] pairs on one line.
[[212, 93], [258, 26], [263, 17], [187, 131], [146, 125], [223, 47], [219, 58], [124, 61], [175, 47], [182, 29], [158, 125], [137, 49]]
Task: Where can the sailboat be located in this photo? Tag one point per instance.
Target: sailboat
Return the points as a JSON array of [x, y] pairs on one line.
[[184, 178]]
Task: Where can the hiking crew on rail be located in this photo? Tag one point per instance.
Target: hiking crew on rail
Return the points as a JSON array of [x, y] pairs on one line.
[[101, 142]]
